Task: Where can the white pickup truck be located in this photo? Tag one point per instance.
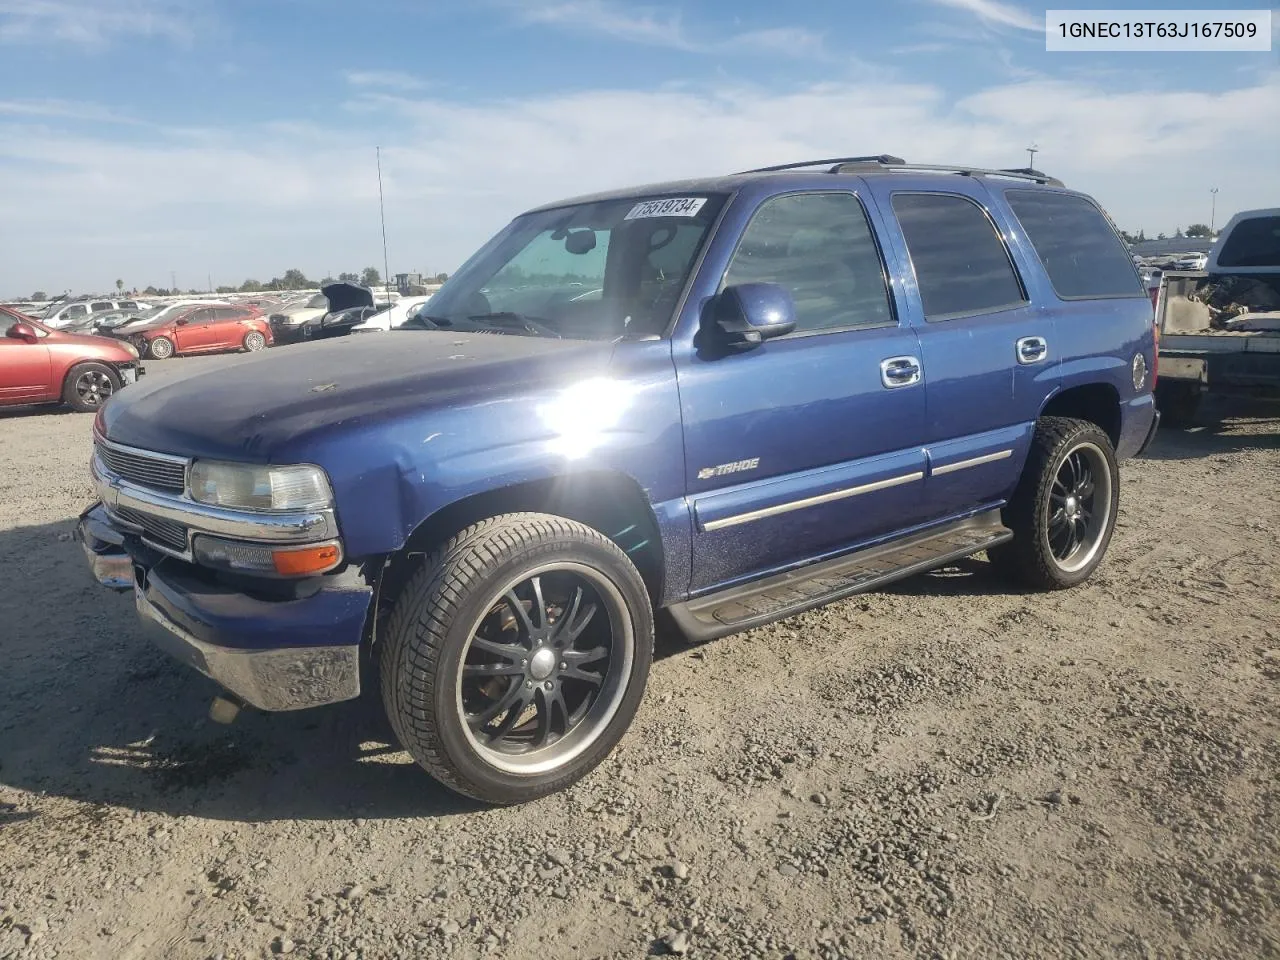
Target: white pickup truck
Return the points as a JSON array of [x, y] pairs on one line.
[[1220, 326]]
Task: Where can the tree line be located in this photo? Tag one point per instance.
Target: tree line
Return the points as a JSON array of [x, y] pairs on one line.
[[1194, 232]]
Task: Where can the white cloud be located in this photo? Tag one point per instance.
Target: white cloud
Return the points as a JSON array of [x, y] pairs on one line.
[[253, 201], [94, 22], [994, 12], [387, 79], [660, 27]]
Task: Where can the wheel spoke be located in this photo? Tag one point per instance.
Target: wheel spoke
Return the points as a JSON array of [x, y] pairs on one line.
[[574, 672], [1057, 518], [580, 657], [508, 699], [507, 651], [523, 699], [517, 608], [539, 604], [553, 713], [492, 670], [568, 616], [575, 629]]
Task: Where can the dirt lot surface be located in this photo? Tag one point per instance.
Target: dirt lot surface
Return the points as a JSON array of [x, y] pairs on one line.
[[951, 768]]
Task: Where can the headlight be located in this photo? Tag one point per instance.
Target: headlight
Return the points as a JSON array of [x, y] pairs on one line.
[[259, 487], [130, 347]]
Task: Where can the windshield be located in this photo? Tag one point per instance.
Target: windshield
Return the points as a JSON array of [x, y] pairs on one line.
[[597, 271]]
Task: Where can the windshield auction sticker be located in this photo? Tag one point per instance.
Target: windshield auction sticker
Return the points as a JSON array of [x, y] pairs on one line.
[[673, 207], [1169, 31]]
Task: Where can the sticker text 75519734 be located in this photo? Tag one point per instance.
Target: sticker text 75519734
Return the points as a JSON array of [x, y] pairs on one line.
[[672, 207]]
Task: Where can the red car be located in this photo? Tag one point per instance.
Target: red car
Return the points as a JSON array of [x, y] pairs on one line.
[[40, 365], [199, 329]]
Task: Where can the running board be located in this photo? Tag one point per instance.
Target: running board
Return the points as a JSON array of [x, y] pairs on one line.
[[786, 594]]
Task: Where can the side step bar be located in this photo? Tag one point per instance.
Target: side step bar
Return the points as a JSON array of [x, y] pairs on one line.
[[786, 594]]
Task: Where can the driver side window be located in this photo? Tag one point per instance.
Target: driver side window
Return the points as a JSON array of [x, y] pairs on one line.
[[820, 247]]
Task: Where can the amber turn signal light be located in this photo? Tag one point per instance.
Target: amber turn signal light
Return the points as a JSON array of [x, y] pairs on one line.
[[307, 560]]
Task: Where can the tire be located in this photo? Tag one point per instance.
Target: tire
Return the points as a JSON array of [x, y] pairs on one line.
[[89, 385], [1047, 496], [448, 616], [254, 341], [1178, 401], [160, 348]]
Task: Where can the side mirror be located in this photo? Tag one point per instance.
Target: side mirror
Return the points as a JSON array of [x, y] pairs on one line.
[[744, 316], [24, 332], [181, 322]]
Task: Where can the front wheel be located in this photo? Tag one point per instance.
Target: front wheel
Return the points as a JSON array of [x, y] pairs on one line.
[[161, 348], [1064, 509], [89, 385], [516, 657]]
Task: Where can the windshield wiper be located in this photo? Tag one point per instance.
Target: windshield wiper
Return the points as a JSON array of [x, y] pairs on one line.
[[508, 318]]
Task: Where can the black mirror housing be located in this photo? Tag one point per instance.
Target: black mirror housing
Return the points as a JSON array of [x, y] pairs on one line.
[[744, 316]]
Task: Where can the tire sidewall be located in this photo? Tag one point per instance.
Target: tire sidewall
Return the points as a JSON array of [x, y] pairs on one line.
[[1093, 436], [71, 396], [151, 348], [510, 787]]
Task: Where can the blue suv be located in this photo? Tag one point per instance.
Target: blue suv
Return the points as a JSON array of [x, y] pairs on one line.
[[721, 401]]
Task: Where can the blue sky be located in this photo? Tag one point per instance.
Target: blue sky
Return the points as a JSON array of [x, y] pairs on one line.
[[235, 138]]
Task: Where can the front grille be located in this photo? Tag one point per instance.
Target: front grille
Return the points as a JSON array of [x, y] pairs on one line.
[[161, 532], [146, 471]]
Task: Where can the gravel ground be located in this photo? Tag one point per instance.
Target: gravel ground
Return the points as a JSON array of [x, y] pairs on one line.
[[950, 768]]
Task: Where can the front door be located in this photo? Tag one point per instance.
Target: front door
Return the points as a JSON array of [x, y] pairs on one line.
[[989, 352], [24, 367], [813, 442]]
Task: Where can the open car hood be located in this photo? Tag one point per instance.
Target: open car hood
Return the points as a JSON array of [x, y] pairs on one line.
[[345, 296]]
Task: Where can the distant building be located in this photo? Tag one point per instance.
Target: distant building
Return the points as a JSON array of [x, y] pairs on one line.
[[406, 282]]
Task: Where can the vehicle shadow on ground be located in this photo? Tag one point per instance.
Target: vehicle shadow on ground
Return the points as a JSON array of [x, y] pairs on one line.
[[1223, 425], [969, 577], [93, 713]]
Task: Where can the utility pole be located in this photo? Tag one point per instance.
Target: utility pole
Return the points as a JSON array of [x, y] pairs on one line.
[[1031, 156], [209, 277], [1213, 209], [386, 264], [173, 281]]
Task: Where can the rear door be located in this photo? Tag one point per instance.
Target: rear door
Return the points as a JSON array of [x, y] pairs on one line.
[[225, 329], [988, 350], [804, 446]]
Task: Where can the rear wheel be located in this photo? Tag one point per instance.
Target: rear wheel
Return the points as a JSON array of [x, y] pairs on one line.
[[516, 657], [89, 385], [1064, 509], [254, 341], [161, 348]]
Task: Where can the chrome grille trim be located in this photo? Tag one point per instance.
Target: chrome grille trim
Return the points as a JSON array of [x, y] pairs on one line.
[[156, 531], [156, 471]]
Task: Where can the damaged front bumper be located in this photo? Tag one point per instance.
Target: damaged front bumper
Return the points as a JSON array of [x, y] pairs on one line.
[[250, 646]]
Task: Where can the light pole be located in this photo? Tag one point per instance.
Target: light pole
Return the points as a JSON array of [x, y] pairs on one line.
[[1031, 156], [1213, 209]]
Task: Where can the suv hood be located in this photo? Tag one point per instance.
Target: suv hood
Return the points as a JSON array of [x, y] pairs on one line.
[[252, 409]]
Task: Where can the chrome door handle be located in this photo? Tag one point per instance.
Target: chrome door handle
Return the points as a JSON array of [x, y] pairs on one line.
[[1032, 349], [899, 372]]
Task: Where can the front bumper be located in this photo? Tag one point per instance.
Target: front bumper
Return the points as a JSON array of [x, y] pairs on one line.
[[273, 654]]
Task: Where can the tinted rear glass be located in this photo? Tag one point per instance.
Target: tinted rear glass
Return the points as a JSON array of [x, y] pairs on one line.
[[961, 264], [1080, 251], [1252, 243]]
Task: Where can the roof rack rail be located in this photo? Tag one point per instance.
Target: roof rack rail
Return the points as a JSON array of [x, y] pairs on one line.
[[873, 165], [883, 159]]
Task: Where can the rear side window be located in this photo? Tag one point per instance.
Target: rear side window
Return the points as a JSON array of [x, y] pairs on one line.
[[226, 313], [820, 247], [104, 305], [962, 266], [128, 305], [1252, 243], [1074, 240]]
